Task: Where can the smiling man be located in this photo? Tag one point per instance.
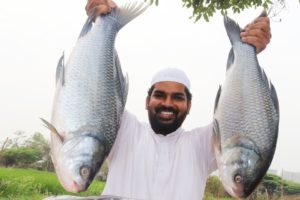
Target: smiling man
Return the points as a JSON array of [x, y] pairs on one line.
[[168, 101], [160, 160]]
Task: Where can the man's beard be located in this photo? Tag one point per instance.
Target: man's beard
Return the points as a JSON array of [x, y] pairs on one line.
[[165, 128]]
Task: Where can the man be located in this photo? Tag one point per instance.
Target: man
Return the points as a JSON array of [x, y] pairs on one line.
[[161, 161]]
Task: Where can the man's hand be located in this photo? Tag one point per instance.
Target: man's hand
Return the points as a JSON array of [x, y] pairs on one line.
[[100, 7], [257, 33]]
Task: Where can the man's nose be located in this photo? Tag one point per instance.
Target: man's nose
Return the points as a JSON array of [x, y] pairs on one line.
[[168, 102]]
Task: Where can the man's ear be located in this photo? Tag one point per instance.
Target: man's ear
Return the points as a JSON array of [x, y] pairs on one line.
[[147, 102], [189, 105]]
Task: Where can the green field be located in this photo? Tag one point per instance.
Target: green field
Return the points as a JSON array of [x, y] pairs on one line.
[[28, 184]]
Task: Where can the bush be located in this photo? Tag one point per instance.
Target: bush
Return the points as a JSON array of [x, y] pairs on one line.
[[21, 156]]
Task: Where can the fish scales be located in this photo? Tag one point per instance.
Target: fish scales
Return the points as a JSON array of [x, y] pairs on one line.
[[90, 97], [246, 119], [81, 98], [245, 112]]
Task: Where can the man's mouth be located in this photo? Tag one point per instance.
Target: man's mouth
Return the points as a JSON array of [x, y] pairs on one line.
[[166, 114]]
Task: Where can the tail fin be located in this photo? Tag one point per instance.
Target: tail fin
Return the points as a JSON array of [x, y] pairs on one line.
[[127, 10], [233, 30]]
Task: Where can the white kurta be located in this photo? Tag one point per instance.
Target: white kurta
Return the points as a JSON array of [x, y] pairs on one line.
[[145, 165]]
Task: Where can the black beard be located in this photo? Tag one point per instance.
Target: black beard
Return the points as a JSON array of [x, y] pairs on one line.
[[161, 128]]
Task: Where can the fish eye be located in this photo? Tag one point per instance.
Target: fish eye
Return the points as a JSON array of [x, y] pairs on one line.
[[85, 171], [238, 178]]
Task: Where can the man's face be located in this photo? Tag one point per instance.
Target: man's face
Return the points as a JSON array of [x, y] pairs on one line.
[[167, 107]]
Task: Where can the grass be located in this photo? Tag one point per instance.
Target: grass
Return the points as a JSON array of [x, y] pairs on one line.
[[29, 184]]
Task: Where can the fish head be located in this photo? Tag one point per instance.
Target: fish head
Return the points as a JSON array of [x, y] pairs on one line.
[[240, 169], [79, 161]]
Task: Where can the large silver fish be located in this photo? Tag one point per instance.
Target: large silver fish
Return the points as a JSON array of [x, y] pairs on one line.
[[246, 119], [91, 92], [102, 197]]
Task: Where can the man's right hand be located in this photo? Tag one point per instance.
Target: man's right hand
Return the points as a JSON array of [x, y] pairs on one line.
[[100, 7]]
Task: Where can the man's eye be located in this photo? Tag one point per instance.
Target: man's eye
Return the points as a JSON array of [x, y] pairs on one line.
[[179, 98], [158, 95]]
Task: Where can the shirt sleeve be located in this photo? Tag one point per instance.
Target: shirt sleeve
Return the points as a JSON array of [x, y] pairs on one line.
[[125, 134], [211, 159], [205, 148]]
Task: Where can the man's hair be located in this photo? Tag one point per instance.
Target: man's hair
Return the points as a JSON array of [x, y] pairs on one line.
[[187, 92]]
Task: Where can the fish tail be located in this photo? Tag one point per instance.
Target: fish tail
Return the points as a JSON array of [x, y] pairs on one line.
[[233, 30], [127, 10]]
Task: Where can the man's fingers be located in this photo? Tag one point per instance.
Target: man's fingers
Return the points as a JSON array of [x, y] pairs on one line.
[[102, 10], [101, 7], [259, 43], [257, 33]]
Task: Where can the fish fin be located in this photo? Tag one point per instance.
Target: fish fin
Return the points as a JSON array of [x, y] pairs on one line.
[[263, 14], [123, 80], [52, 129], [272, 89], [127, 10], [230, 59], [60, 70], [217, 98], [233, 30], [126, 87], [265, 78], [216, 136], [88, 24], [274, 98]]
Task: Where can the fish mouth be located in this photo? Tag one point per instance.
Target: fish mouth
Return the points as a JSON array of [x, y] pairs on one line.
[[76, 188]]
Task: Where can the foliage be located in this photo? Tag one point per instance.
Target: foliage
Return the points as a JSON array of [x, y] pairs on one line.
[[207, 8], [214, 188], [271, 187], [21, 156], [26, 151], [275, 185], [32, 184]]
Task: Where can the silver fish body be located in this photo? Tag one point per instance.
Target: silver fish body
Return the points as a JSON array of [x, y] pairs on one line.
[[102, 197], [246, 119], [91, 92]]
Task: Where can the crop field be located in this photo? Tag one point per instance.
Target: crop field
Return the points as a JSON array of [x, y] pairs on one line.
[[28, 184]]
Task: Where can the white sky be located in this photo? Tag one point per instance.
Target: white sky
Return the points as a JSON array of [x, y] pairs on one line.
[[33, 34]]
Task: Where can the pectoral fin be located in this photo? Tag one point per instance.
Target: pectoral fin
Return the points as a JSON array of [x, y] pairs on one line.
[[52, 129]]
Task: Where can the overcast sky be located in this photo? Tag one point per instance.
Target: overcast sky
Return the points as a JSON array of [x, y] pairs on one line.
[[34, 33]]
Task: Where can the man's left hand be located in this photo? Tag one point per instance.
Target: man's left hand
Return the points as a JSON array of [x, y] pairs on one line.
[[257, 33]]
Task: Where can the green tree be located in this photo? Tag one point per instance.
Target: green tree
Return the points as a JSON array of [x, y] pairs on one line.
[[40, 143], [26, 151], [207, 8], [20, 156]]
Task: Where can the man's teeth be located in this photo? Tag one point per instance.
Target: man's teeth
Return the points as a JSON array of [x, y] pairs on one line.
[[166, 112]]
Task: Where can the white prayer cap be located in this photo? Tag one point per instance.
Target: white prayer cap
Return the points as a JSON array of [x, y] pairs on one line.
[[171, 74]]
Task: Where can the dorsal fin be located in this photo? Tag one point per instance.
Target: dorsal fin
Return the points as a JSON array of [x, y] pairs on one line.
[[123, 80]]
